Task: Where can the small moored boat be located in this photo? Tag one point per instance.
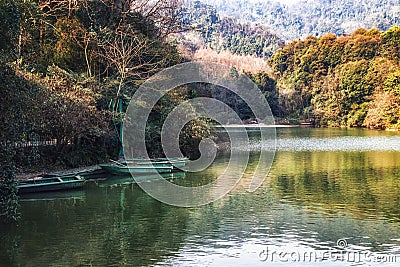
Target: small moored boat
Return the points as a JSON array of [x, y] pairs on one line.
[[118, 168], [55, 183], [87, 174], [175, 163]]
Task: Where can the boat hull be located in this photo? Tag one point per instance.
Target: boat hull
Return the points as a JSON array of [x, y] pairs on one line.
[[85, 174], [50, 184], [175, 163], [137, 170]]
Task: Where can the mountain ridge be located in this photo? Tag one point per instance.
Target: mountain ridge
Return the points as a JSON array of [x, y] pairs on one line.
[[205, 28], [310, 17]]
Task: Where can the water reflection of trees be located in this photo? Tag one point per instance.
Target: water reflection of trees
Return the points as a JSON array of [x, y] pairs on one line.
[[363, 183], [314, 198], [310, 197], [111, 227]]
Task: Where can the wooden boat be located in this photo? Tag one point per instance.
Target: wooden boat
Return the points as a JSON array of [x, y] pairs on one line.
[[55, 183], [176, 163], [88, 173], [92, 174], [118, 168]]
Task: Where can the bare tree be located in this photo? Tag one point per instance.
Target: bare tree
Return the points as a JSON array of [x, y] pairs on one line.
[[131, 55], [58, 8], [166, 14]]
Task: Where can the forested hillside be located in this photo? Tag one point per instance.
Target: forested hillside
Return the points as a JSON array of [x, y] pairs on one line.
[[351, 80], [67, 65], [205, 28], [312, 17]]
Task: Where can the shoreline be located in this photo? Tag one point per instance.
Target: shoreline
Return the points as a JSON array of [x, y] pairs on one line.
[[260, 125], [222, 148], [28, 175]]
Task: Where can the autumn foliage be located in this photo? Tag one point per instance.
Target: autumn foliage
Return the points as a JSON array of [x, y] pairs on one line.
[[351, 80]]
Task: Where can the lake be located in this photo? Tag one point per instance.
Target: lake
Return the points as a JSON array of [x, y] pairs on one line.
[[332, 196]]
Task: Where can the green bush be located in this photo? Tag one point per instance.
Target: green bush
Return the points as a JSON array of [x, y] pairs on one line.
[[8, 186]]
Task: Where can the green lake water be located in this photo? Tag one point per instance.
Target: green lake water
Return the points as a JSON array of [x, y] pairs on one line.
[[325, 185]]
